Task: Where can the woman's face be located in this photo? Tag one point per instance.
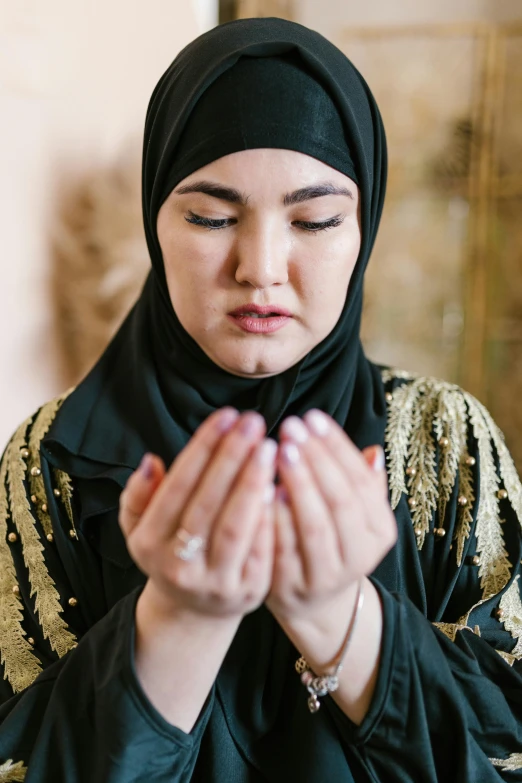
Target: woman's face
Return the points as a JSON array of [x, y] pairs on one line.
[[267, 228]]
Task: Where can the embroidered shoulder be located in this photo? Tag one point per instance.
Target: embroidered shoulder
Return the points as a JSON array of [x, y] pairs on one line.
[[23, 504], [11, 772], [431, 424]]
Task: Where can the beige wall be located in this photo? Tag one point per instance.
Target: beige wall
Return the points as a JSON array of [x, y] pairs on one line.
[[331, 17], [75, 78]]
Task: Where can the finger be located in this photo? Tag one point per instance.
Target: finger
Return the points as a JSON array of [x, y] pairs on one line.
[[257, 570], [185, 473], [337, 441], [288, 562], [139, 491], [209, 497], [312, 519], [232, 536]]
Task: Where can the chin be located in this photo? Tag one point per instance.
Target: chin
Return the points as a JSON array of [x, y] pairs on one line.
[[255, 367]]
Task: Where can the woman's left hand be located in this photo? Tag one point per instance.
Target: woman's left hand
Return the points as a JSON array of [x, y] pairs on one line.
[[334, 523]]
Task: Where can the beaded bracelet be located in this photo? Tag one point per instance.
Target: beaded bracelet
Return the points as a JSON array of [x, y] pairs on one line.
[[320, 685]]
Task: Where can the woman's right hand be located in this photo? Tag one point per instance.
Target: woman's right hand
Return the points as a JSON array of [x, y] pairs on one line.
[[217, 488]]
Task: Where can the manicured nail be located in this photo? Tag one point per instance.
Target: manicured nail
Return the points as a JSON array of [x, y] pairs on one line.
[[378, 459], [294, 428], [266, 452], [227, 418], [290, 453], [317, 422], [147, 467], [251, 424], [269, 494]]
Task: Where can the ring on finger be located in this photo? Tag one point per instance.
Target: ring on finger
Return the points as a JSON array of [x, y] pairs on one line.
[[190, 545]]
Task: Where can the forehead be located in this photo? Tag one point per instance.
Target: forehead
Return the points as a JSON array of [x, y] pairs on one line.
[[265, 172]]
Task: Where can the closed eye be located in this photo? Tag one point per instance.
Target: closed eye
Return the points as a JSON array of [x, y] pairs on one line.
[[305, 225]]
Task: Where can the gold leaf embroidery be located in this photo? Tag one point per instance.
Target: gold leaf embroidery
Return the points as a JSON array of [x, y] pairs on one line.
[[508, 657], [422, 483], [495, 568], [421, 410], [47, 600], [512, 763], [511, 604], [21, 666], [11, 772], [64, 484], [40, 427]]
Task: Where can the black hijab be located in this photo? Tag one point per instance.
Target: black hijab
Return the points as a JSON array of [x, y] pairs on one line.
[[153, 385]]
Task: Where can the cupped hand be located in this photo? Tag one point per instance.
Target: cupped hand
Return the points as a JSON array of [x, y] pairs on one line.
[[217, 488], [333, 520]]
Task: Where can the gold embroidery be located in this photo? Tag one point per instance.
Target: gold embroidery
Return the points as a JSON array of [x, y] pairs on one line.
[[40, 428], [427, 408], [495, 568], [64, 484], [11, 772], [47, 600], [512, 763], [511, 604], [21, 666], [508, 657]]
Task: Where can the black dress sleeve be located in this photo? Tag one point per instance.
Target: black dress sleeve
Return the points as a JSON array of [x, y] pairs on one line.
[[71, 707], [448, 701]]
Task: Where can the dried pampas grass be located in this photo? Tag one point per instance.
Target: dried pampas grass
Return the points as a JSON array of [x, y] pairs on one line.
[[99, 261]]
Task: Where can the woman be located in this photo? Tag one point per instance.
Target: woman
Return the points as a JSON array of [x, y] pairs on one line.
[[154, 633]]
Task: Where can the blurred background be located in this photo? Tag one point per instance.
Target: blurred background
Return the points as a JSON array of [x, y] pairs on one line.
[[444, 288]]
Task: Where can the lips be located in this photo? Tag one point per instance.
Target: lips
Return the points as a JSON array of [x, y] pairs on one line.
[[260, 319], [254, 310]]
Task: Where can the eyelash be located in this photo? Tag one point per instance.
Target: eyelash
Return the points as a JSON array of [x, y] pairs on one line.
[[306, 225]]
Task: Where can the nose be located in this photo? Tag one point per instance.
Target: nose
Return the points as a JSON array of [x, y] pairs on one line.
[[261, 256]]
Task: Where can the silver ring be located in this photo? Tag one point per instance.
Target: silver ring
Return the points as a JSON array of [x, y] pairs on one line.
[[191, 545]]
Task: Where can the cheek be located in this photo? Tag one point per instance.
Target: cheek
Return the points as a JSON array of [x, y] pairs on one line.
[[323, 276]]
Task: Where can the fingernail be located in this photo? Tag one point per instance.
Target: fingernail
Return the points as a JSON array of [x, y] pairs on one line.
[[147, 467], [227, 419], [378, 459], [251, 424], [267, 452], [290, 453], [317, 422], [269, 494], [295, 429]]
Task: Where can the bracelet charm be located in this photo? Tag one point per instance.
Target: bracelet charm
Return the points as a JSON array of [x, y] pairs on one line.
[[320, 685]]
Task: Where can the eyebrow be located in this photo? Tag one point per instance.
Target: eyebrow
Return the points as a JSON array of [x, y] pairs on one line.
[[234, 196]]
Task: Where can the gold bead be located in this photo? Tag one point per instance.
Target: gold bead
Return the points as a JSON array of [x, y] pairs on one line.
[[44, 508], [440, 532], [475, 560], [57, 493], [36, 471], [12, 537], [30, 640], [50, 537], [33, 498], [444, 442], [16, 590], [418, 532], [463, 501], [25, 453], [470, 461], [412, 502], [388, 396], [411, 471], [499, 613], [72, 601], [502, 494], [72, 533]]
